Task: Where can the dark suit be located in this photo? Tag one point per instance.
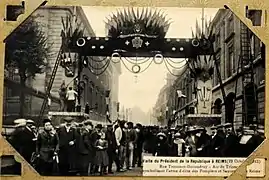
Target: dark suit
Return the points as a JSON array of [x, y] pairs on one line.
[[112, 146], [230, 146], [27, 143], [85, 151], [203, 142], [47, 144], [67, 153], [140, 138], [215, 144], [162, 148]]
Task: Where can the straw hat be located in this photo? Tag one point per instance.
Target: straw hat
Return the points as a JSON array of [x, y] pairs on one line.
[[161, 134], [191, 129], [227, 125], [68, 119], [177, 134], [213, 127]]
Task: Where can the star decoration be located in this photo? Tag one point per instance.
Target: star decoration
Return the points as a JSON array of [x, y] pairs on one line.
[[127, 42], [147, 43]]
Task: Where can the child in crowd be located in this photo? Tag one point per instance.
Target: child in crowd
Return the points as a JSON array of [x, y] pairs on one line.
[[101, 158]]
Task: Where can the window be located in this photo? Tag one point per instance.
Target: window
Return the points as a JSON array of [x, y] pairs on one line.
[[216, 77], [217, 42], [223, 30], [231, 66], [91, 96], [101, 104], [13, 74], [230, 25], [96, 100], [252, 46]]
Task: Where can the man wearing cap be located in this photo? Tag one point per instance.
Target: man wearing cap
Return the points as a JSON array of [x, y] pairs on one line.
[[27, 140], [67, 139], [231, 142], [85, 149], [216, 142]]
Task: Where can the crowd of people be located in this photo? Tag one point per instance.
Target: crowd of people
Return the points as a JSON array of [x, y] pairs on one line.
[[191, 141], [82, 149]]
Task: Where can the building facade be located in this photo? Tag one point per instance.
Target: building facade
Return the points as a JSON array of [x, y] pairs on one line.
[[95, 87], [180, 107], [227, 29], [160, 108]]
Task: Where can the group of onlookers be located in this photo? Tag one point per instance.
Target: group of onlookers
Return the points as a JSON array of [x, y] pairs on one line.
[[80, 148], [191, 141]]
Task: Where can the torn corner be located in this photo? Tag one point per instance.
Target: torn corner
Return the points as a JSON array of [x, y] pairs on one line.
[[256, 168]]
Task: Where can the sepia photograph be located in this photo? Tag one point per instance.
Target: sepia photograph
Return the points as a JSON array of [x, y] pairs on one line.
[[92, 91]]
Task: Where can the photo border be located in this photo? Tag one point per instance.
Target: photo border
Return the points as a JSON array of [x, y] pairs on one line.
[[237, 6]]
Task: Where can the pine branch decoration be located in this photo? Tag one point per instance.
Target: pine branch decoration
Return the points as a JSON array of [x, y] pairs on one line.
[[130, 21]]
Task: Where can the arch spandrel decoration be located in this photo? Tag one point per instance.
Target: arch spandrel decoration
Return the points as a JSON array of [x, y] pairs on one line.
[[134, 33]]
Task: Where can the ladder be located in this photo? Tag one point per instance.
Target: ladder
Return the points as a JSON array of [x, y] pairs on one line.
[[54, 71], [250, 107]]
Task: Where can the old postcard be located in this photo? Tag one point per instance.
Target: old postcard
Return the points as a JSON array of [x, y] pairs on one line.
[[135, 91]]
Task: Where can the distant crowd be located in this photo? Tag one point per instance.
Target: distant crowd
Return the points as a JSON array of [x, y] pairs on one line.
[[84, 149], [192, 141]]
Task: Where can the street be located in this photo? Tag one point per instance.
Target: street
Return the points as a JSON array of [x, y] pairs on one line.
[[137, 171]]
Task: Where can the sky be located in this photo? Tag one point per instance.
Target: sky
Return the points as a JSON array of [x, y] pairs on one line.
[[143, 90]]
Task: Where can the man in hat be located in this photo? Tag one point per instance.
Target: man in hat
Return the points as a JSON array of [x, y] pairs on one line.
[[215, 143], [67, 154], [139, 145], [27, 138], [220, 130], [231, 142], [47, 149], [203, 142], [131, 138], [111, 150], [256, 139], [85, 148]]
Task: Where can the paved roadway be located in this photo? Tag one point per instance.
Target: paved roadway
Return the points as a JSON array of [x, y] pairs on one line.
[[137, 171]]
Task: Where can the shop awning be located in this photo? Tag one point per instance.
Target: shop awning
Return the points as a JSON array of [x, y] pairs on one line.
[[204, 116]]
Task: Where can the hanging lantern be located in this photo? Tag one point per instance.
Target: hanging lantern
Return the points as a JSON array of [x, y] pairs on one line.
[[158, 58]]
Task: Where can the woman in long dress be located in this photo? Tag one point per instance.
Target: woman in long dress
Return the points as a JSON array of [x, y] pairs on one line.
[[101, 156]]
